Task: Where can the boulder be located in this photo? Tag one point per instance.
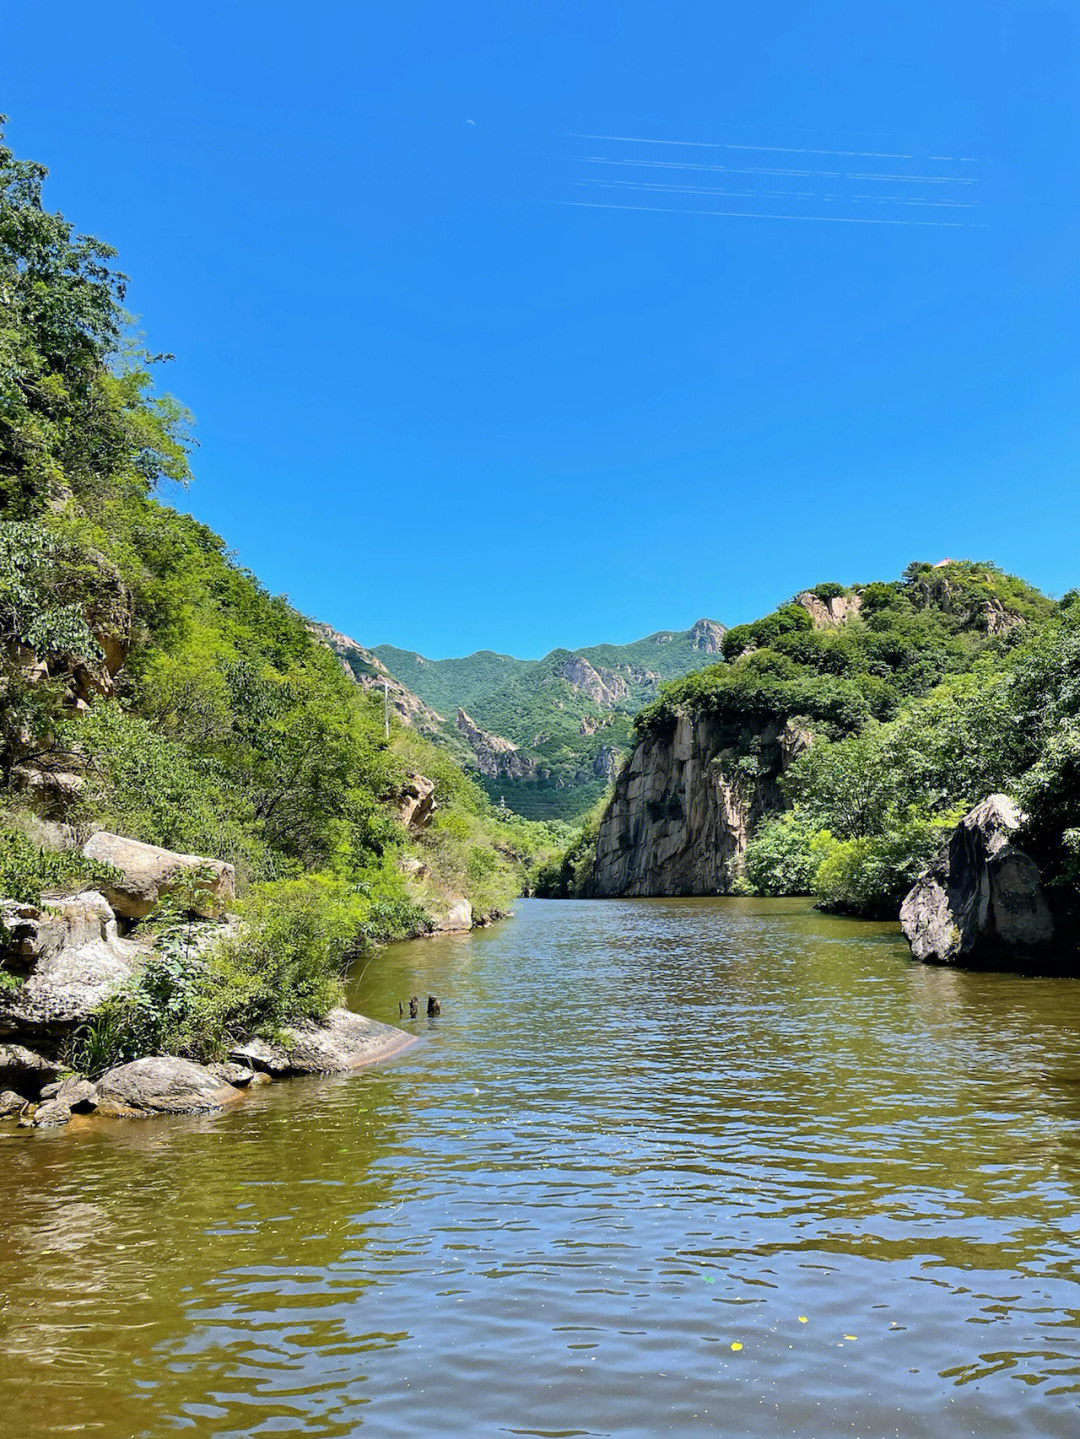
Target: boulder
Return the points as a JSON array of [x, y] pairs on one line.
[[162, 1085], [79, 1094], [453, 916], [342, 1041], [147, 873], [416, 803], [23, 1070], [11, 1103], [73, 957], [981, 902], [51, 1115]]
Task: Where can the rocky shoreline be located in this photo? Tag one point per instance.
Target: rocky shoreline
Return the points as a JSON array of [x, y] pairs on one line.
[[36, 1093], [70, 952]]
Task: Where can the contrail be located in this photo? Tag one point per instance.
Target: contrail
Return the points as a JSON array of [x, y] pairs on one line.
[[776, 149], [759, 215], [771, 170], [654, 186]]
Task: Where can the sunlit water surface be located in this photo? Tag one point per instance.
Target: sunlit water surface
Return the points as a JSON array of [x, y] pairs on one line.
[[640, 1133]]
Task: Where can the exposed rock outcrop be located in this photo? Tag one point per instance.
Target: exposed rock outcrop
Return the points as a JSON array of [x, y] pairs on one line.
[[606, 763], [603, 687], [496, 757], [981, 902], [708, 637], [370, 673], [162, 1085], [72, 957], [416, 802], [828, 614], [343, 1041], [686, 803], [146, 873]]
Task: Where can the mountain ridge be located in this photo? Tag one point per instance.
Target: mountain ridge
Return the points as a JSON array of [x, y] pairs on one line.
[[566, 717]]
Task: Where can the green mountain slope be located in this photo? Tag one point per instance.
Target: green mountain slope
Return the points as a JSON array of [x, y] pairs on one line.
[[568, 717]]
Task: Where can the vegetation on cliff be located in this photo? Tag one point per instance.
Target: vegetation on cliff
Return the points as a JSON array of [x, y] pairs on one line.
[[151, 685], [922, 696]]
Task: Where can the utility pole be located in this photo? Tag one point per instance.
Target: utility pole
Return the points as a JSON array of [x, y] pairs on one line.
[[386, 706]]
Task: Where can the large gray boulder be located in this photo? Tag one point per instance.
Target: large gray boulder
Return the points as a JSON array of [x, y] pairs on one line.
[[162, 1085], [147, 873], [24, 1071], [343, 1041], [981, 902], [72, 957]]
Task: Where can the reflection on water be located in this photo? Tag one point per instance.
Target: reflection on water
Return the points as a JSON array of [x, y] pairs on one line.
[[640, 1133]]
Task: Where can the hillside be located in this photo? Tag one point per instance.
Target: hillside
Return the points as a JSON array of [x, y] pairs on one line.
[[841, 738], [562, 724], [152, 688]]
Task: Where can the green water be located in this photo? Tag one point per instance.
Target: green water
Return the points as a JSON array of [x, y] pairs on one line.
[[639, 1133]]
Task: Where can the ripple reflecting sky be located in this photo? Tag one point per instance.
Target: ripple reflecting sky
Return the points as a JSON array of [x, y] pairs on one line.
[[641, 1133]]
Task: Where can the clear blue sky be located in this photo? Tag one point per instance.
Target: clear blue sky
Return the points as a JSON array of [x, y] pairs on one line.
[[465, 378]]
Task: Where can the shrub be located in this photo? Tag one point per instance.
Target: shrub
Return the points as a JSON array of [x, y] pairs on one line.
[[783, 856], [27, 871], [870, 875]]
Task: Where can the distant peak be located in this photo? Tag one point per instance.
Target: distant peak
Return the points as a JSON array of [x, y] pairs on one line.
[[707, 636]]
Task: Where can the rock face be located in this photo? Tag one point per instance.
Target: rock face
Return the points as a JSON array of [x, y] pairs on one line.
[[343, 1041], [162, 1085], [603, 687], [370, 673], [828, 614], [684, 807], [147, 873], [72, 958], [982, 901], [496, 757], [417, 802], [708, 637], [606, 762]]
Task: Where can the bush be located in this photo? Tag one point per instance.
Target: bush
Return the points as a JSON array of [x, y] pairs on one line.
[[27, 871], [783, 856], [869, 876]]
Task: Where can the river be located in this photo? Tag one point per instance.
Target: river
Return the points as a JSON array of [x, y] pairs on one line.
[[640, 1135]]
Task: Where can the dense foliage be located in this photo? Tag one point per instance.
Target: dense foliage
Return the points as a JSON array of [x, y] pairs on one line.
[[906, 636], [179, 702], [871, 808]]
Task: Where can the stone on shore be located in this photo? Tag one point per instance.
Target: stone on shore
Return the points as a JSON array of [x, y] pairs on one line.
[[51, 1115], [147, 873], [453, 916], [11, 1103], [981, 902], [343, 1041], [238, 1075], [72, 956], [23, 1070], [162, 1085]]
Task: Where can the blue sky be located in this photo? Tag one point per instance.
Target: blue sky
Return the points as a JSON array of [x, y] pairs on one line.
[[466, 375]]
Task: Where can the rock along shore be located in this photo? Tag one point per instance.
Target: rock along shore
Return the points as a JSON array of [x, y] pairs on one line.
[[68, 954]]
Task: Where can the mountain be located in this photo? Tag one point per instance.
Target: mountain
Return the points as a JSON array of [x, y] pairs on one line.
[[547, 735]]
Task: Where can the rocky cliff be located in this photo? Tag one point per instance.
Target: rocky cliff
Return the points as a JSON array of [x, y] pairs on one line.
[[370, 673], [496, 757], [686, 803]]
